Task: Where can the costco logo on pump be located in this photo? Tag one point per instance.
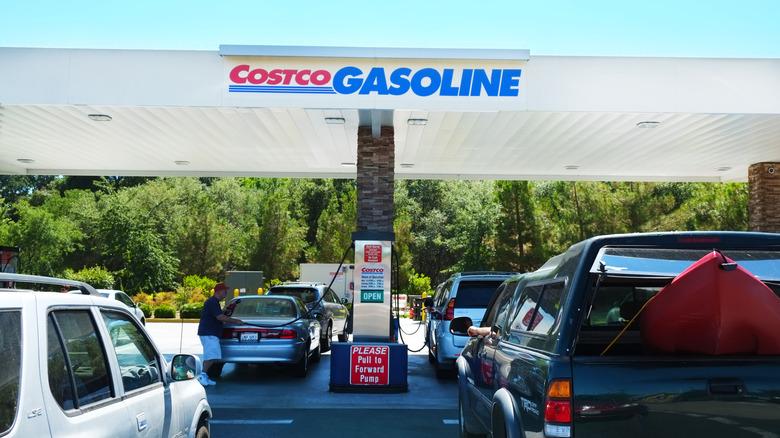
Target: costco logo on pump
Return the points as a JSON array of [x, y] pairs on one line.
[[401, 81]]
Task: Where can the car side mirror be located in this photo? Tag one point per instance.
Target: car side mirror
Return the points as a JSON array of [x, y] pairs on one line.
[[316, 315], [185, 367], [428, 302], [460, 326], [344, 301]]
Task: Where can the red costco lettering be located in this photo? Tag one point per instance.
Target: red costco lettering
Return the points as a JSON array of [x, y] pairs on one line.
[[364, 269], [242, 74]]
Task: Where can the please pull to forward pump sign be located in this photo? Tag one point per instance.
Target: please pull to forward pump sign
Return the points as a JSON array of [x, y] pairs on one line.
[[369, 365]]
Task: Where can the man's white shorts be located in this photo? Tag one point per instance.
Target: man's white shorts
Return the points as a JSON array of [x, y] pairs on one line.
[[211, 348]]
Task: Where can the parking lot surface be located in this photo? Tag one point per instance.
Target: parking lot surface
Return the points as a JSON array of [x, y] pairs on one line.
[[269, 401]]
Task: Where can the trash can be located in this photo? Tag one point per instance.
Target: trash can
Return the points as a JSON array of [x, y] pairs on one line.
[[417, 308]]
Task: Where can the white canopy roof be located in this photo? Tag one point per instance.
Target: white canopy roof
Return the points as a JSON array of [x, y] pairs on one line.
[[562, 118]]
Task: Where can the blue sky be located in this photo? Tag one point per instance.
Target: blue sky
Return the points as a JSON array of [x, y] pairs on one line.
[[681, 28]]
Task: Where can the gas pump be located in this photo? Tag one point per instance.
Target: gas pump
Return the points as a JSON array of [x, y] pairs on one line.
[[373, 362]]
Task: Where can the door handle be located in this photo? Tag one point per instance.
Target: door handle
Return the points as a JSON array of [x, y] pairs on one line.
[[726, 387]]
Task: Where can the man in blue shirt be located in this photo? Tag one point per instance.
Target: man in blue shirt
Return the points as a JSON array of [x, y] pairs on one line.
[[210, 329]]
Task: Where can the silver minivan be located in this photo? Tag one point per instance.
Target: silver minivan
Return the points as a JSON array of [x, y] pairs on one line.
[[83, 365]]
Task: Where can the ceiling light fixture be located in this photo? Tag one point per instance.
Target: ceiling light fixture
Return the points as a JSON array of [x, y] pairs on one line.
[[334, 120], [25, 160], [417, 122], [345, 164], [100, 117], [407, 165], [182, 162], [571, 167], [723, 169], [648, 124]]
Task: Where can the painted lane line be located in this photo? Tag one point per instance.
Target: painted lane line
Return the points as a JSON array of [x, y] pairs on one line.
[[251, 421]]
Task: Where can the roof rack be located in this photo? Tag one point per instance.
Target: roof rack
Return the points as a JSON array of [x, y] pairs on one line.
[[486, 273], [86, 289]]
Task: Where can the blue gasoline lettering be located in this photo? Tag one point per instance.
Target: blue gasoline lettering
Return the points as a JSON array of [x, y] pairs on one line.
[[427, 82]]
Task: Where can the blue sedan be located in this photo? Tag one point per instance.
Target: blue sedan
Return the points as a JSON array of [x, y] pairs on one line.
[[278, 329]]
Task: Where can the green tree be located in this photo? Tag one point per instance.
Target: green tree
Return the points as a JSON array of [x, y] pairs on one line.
[[334, 229], [132, 248], [45, 240], [473, 209], [277, 240], [519, 244]]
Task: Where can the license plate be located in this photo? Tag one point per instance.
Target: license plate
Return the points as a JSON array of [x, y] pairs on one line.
[[248, 337]]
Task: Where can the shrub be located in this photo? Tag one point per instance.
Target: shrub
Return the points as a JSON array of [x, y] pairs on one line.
[[191, 310], [144, 298], [98, 277], [147, 309], [163, 298], [164, 311], [193, 282]]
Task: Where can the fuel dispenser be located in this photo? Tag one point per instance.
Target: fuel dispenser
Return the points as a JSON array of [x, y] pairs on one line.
[[373, 362]]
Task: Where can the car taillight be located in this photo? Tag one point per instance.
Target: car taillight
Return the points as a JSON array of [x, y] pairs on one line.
[[287, 334], [449, 313], [557, 410], [227, 333]]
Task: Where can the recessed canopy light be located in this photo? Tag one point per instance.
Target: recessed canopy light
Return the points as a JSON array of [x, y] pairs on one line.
[[571, 167], [334, 120], [100, 117], [417, 121], [723, 169], [407, 165], [25, 160], [647, 124], [345, 164], [182, 163]]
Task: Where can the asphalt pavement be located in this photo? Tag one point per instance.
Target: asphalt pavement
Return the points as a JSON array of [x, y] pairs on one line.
[[269, 401]]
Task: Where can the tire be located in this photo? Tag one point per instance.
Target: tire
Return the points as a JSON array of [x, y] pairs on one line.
[[344, 336], [203, 431], [327, 338], [301, 368], [215, 370]]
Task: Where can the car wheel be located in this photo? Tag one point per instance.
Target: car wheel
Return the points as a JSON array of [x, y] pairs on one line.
[[203, 431], [215, 370], [344, 336], [327, 337], [302, 367]]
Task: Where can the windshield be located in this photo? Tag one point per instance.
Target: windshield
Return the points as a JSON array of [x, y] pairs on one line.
[[662, 262]]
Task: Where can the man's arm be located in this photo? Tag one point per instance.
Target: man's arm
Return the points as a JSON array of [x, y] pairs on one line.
[[224, 318]]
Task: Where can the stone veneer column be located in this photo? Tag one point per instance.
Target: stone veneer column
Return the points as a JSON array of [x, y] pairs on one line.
[[764, 206], [375, 177]]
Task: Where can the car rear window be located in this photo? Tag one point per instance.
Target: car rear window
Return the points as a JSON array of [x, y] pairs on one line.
[[476, 294], [10, 363], [305, 294], [265, 308]]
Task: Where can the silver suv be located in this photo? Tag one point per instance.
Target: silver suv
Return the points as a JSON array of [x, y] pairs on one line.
[[463, 294], [83, 365], [319, 298]]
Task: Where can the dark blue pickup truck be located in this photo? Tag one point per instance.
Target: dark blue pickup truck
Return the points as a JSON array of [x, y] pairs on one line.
[[564, 351]]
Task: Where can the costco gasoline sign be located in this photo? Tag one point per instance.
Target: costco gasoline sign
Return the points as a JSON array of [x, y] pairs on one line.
[[369, 365], [374, 83]]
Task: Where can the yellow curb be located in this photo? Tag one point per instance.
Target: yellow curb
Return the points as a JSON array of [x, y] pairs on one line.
[[178, 320]]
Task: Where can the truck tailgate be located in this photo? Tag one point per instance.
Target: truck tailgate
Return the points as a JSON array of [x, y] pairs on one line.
[[653, 396]]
